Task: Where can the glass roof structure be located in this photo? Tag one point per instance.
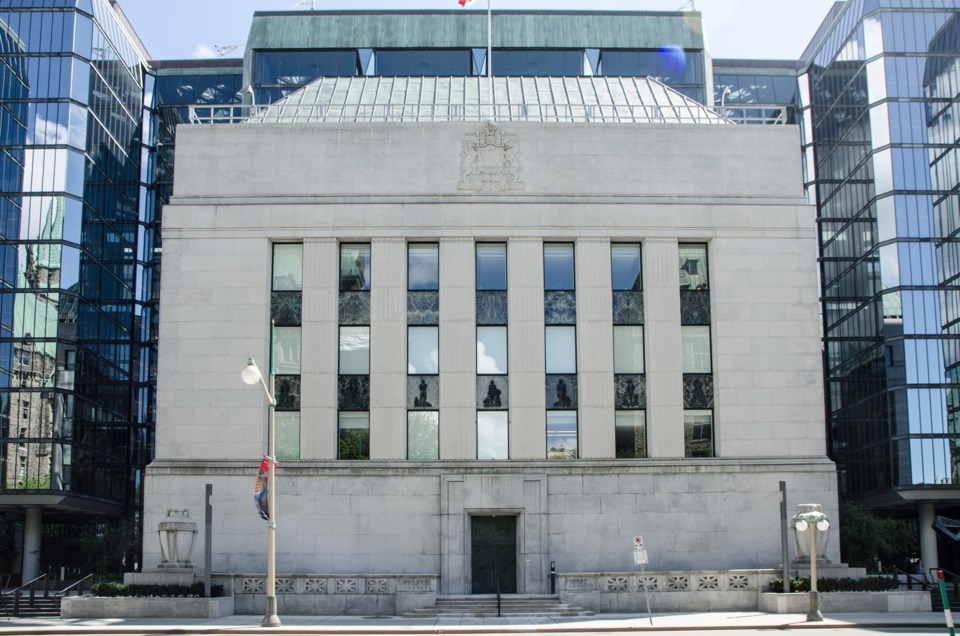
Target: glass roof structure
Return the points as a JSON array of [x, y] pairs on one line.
[[439, 99]]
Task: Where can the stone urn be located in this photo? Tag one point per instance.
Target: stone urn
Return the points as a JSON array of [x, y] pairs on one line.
[[178, 533]]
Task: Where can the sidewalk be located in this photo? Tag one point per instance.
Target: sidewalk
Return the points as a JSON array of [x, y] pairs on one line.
[[398, 625]]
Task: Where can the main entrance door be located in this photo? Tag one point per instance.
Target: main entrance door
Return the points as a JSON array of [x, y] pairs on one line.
[[493, 549]]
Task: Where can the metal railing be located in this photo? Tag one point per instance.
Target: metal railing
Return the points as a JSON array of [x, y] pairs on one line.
[[17, 592], [11, 601], [756, 114], [78, 585], [416, 112]]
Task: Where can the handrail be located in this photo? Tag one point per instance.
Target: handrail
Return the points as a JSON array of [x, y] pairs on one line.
[[919, 578], [29, 583], [67, 589]]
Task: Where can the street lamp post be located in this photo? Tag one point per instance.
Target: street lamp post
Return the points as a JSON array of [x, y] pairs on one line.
[[251, 375], [813, 520]]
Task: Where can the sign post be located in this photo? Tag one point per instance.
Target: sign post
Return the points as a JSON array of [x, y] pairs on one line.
[[640, 558]]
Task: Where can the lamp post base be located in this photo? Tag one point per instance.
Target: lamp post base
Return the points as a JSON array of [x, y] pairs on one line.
[[814, 614], [270, 618]]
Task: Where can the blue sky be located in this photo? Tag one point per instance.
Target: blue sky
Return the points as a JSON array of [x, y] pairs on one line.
[[183, 29]]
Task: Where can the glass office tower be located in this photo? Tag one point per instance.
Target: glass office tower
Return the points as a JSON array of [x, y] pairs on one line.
[[878, 94], [76, 188]]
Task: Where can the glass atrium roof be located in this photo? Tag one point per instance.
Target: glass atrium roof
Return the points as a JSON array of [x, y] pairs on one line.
[[438, 99]]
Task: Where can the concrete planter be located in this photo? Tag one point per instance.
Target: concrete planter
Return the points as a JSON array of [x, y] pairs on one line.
[[145, 607], [846, 602]]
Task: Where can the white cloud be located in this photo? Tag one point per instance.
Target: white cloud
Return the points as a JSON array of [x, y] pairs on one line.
[[203, 51]]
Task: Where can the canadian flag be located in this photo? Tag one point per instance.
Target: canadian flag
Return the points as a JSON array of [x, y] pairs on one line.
[[465, 3]]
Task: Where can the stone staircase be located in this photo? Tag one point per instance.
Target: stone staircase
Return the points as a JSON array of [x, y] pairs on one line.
[[485, 605], [40, 606]]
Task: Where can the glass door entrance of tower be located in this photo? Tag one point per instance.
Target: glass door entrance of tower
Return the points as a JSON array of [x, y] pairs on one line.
[[493, 549]]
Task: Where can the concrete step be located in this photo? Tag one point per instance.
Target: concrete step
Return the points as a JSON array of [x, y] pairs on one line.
[[515, 605], [41, 606]]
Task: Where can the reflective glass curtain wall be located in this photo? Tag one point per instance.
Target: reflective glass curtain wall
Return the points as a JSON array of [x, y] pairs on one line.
[[75, 190], [877, 151]]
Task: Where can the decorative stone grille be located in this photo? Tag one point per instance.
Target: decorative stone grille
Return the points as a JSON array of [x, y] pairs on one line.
[[346, 586], [615, 584], [739, 582], [677, 583], [708, 582], [650, 583]]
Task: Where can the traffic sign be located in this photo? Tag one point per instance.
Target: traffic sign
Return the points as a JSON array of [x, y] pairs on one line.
[[640, 557], [637, 543]]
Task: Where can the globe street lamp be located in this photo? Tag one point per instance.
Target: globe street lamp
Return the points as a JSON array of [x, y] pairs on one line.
[[812, 520], [251, 375]]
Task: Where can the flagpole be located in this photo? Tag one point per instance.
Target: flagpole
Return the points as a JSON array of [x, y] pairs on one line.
[[490, 57]]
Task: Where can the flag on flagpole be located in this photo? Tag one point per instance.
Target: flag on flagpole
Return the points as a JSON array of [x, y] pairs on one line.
[[465, 3], [261, 489]]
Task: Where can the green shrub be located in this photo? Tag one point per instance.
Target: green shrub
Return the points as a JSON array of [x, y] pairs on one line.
[[118, 589], [866, 584]]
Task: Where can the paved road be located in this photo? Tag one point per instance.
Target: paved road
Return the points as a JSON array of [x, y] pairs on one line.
[[732, 623]]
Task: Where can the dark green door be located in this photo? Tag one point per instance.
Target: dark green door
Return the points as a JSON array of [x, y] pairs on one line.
[[493, 549]]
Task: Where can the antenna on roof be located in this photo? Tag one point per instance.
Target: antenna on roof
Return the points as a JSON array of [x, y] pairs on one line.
[[304, 3], [689, 4], [223, 50]]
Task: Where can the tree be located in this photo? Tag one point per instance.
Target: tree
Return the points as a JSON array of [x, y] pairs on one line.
[[866, 537]]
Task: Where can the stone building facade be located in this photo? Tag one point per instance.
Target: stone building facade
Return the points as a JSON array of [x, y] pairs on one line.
[[692, 390]]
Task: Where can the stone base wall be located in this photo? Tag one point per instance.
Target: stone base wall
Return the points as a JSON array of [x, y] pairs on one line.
[[334, 595], [138, 607], [675, 591], [847, 602]]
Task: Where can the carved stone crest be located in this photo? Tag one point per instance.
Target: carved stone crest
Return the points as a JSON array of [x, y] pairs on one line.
[[490, 161]]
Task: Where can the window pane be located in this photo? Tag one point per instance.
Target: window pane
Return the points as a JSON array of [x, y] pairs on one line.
[[492, 266], [628, 349], [422, 350], [491, 350], [698, 433], [287, 267], [423, 267], [423, 435], [696, 349], [561, 345], [354, 267], [625, 267], [693, 267], [354, 436], [354, 350], [561, 434], [287, 425], [286, 350], [558, 267], [631, 434], [492, 436]]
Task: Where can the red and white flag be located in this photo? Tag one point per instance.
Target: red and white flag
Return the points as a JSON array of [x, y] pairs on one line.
[[465, 3]]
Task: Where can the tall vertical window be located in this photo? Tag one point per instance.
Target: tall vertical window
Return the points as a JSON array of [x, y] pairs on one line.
[[493, 387], [560, 340], [286, 301], [630, 395], [353, 382], [698, 426], [423, 351]]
